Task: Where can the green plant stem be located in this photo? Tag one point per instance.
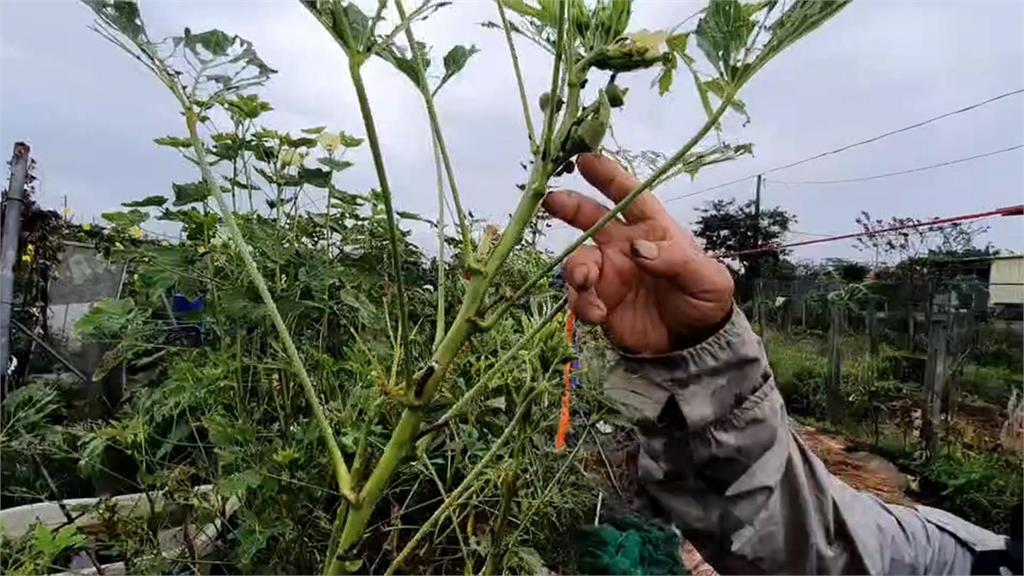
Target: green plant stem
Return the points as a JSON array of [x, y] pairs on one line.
[[485, 381], [556, 78], [518, 72], [444, 495], [626, 202], [340, 469], [508, 494], [336, 526], [551, 486], [404, 433], [464, 488], [435, 128], [355, 70], [439, 321]]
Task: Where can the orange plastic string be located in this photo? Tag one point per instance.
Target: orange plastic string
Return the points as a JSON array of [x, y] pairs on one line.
[[564, 418]]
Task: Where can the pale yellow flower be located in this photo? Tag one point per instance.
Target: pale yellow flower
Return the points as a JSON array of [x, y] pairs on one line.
[[329, 141], [202, 249], [652, 42], [26, 258], [291, 157], [86, 226], [135, 232], [67, 213]]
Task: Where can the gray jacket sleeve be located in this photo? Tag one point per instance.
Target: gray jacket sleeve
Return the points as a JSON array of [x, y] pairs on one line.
[[719, 456]]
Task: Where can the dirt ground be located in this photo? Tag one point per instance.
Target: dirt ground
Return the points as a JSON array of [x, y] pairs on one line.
[[862, 470]]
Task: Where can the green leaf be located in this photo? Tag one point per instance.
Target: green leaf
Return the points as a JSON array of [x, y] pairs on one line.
[[106, 319], [349, 141], [190, 193], [801, 18], [335, 164], [664, 80], [238, 484], [122, 15], [296, 143], [404, 64], [404, 215], [722, 33], [717, 87], [454, 61], [215, 42], [358, 22], [677, 43], [315, 177], [173, 142], [523, 9], [314, 131], [148, 202], [126, 218], [247, 107]]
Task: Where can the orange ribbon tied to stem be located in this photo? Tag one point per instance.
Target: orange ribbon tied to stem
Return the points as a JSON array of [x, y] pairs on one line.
[[564, 419]]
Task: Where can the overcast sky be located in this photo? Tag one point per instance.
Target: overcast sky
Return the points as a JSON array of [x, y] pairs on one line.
[[90, 112]]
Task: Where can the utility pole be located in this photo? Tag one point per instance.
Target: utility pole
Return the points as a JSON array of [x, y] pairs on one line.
[[14, 201], [755, 272]]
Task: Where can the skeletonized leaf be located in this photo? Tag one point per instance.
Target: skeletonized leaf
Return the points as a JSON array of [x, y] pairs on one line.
[[215, 42]]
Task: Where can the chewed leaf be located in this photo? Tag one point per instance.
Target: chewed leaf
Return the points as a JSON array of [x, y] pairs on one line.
[[121, 15], [717, 88], [214, 42], [723, 33]]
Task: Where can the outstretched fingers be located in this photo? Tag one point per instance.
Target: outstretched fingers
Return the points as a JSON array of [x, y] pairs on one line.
[[580, 212], [616, 183]]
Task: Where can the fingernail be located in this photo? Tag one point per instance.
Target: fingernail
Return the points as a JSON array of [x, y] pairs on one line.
[[645, 249]]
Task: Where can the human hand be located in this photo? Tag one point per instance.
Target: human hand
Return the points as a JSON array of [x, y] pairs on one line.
[[645, 280]]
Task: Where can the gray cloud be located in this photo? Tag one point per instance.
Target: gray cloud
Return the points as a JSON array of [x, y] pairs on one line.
[[91, 113]]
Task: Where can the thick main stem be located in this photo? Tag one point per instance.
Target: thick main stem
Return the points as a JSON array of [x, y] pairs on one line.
[[439, 320], [405, 432], [340, 469]]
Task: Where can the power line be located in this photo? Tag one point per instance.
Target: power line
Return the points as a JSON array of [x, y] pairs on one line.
[[902, 172], [1017, 210], [852, 145]]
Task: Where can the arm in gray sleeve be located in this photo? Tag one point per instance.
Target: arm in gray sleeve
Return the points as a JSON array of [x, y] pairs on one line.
[[719, 456]]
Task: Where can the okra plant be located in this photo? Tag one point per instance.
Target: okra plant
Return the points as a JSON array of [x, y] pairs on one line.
[[592, 47]]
